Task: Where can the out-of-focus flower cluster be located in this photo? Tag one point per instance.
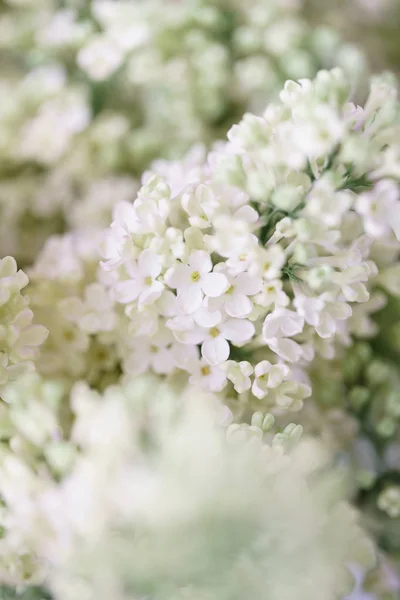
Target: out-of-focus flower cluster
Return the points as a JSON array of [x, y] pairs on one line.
[[163, 498], [93, 91], [19, 337]]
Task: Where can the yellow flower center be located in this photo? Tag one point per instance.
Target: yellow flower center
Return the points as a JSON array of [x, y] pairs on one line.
[[195, 276], [230, 290], [148, 281], [214, 332], [205, 371]]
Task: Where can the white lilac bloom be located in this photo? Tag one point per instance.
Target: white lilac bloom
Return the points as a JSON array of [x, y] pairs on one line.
[[167, 503], [273, 246], [20, 338]]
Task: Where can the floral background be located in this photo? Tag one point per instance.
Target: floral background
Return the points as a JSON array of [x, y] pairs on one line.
[[199, 300]]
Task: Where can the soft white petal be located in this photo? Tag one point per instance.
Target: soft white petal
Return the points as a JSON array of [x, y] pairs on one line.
[[340, 310], [183, 355], [238, 305], [237, 330], [271, 327], [247, 214], [262, 367], [276, 375], [34, 335], [200, 261], [248, 284], [149, 264], [124, 214], [168, 304], [285, 348], [189, 299], [151, 293], [214, 284], [292, 324], [192, 336], [215, 350], [178, 276], [207, 318], [326, 326], [127, 291]]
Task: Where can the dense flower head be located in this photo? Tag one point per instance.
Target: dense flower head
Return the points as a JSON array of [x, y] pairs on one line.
[[165, 498], [19, 337], [123, 83], [246, 267]]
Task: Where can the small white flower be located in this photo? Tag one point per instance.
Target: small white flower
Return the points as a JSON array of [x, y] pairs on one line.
[[268, 376], [201, 205], [211, 378], [278, 329], [215, 347], [272, 294], [143, 284], [351, 282], [235, 300], [239, 374], [322, 312], [276, 382], [194, 280], [380, 209], [213, 333], [271, 261], [282, 323]]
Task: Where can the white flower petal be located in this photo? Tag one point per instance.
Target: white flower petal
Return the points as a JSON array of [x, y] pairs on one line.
[[151, 293], [189, 299], [207, 318], [124, 214], [127, 291], [238, 305], [237, 330], [270, 328], [34, 335], [214, 284], [247, 214], [178, 276], [149, 264], [215, 350], [200, 261], [285, 348], [262, 367], [248, 284]]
